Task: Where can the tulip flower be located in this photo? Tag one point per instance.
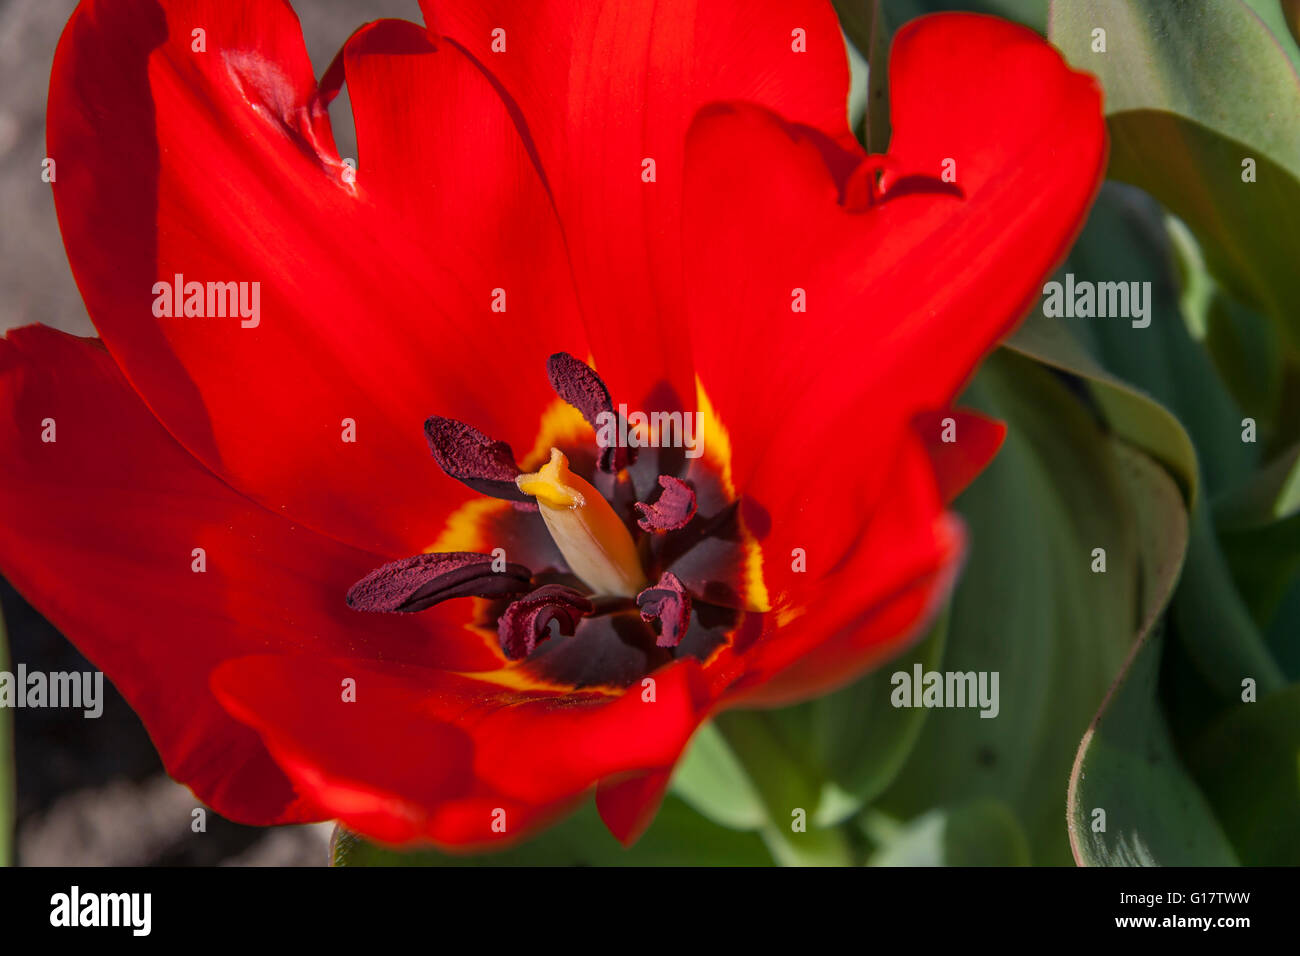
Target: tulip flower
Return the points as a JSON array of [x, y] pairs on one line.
[[364, 559]]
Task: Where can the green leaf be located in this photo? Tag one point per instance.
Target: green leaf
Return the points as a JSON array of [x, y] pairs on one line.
[[1249, 765], [712, 780], [1213, 623], [1133, 415], [856, 20], [1291, 15], [868, 29], [1030, 608], [824, 759], [1247, 349], [1032, 13], [1281, 636], [1154, 385], [788, 788], [1265, 560], [982, 833], [1259, 529], [678, 837], [1130, 801], [1193, 90], [1126, 240], [1271, 494], [855, 740], [8, 796], [1129, 769], [1282, 17]]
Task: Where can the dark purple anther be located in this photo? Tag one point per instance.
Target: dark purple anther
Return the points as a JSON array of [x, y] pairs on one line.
[[424, 580], [668, 603], [526, 622], [577, 383], [673, 509], [469, 456]]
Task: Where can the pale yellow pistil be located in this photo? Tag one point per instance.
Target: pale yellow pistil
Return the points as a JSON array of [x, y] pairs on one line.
[[594, 542]]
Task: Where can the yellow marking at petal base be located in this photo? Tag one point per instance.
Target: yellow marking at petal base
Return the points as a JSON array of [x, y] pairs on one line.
[[464, 532], [716, 443], [561, 425], [788, 614], [517, 677], [464, 528]]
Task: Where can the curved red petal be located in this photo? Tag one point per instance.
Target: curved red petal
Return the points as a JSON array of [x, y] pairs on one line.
[[820, 331], [353, 738], [99, 529], [833, 621], [445, 164], [467, 749], [628, 806], [374, 303], [605, 86], [961, 444]]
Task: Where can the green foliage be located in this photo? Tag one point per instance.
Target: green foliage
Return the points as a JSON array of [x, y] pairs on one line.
[[981, 833], [1030, 607], [1249, 764], [1195, 93], [1131, 802]]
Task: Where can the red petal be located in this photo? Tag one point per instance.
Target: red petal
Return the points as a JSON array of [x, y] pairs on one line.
[[547, 748], [604, 86], [904, 299], [301, 707], [975, 440], [426, 755], [629, 806], [97, 530], [833, 622], [375, 296]]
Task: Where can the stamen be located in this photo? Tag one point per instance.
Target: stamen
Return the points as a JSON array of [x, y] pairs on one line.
[[419, 582], [670, 604], [469, 456], [578, 384], [673, 509], [527, 621], [595, 543]]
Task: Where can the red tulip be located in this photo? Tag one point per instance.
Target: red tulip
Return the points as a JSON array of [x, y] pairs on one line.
[[666, 189]]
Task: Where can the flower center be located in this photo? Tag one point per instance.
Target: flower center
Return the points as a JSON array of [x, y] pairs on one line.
[[596, 544], [625, 576]]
